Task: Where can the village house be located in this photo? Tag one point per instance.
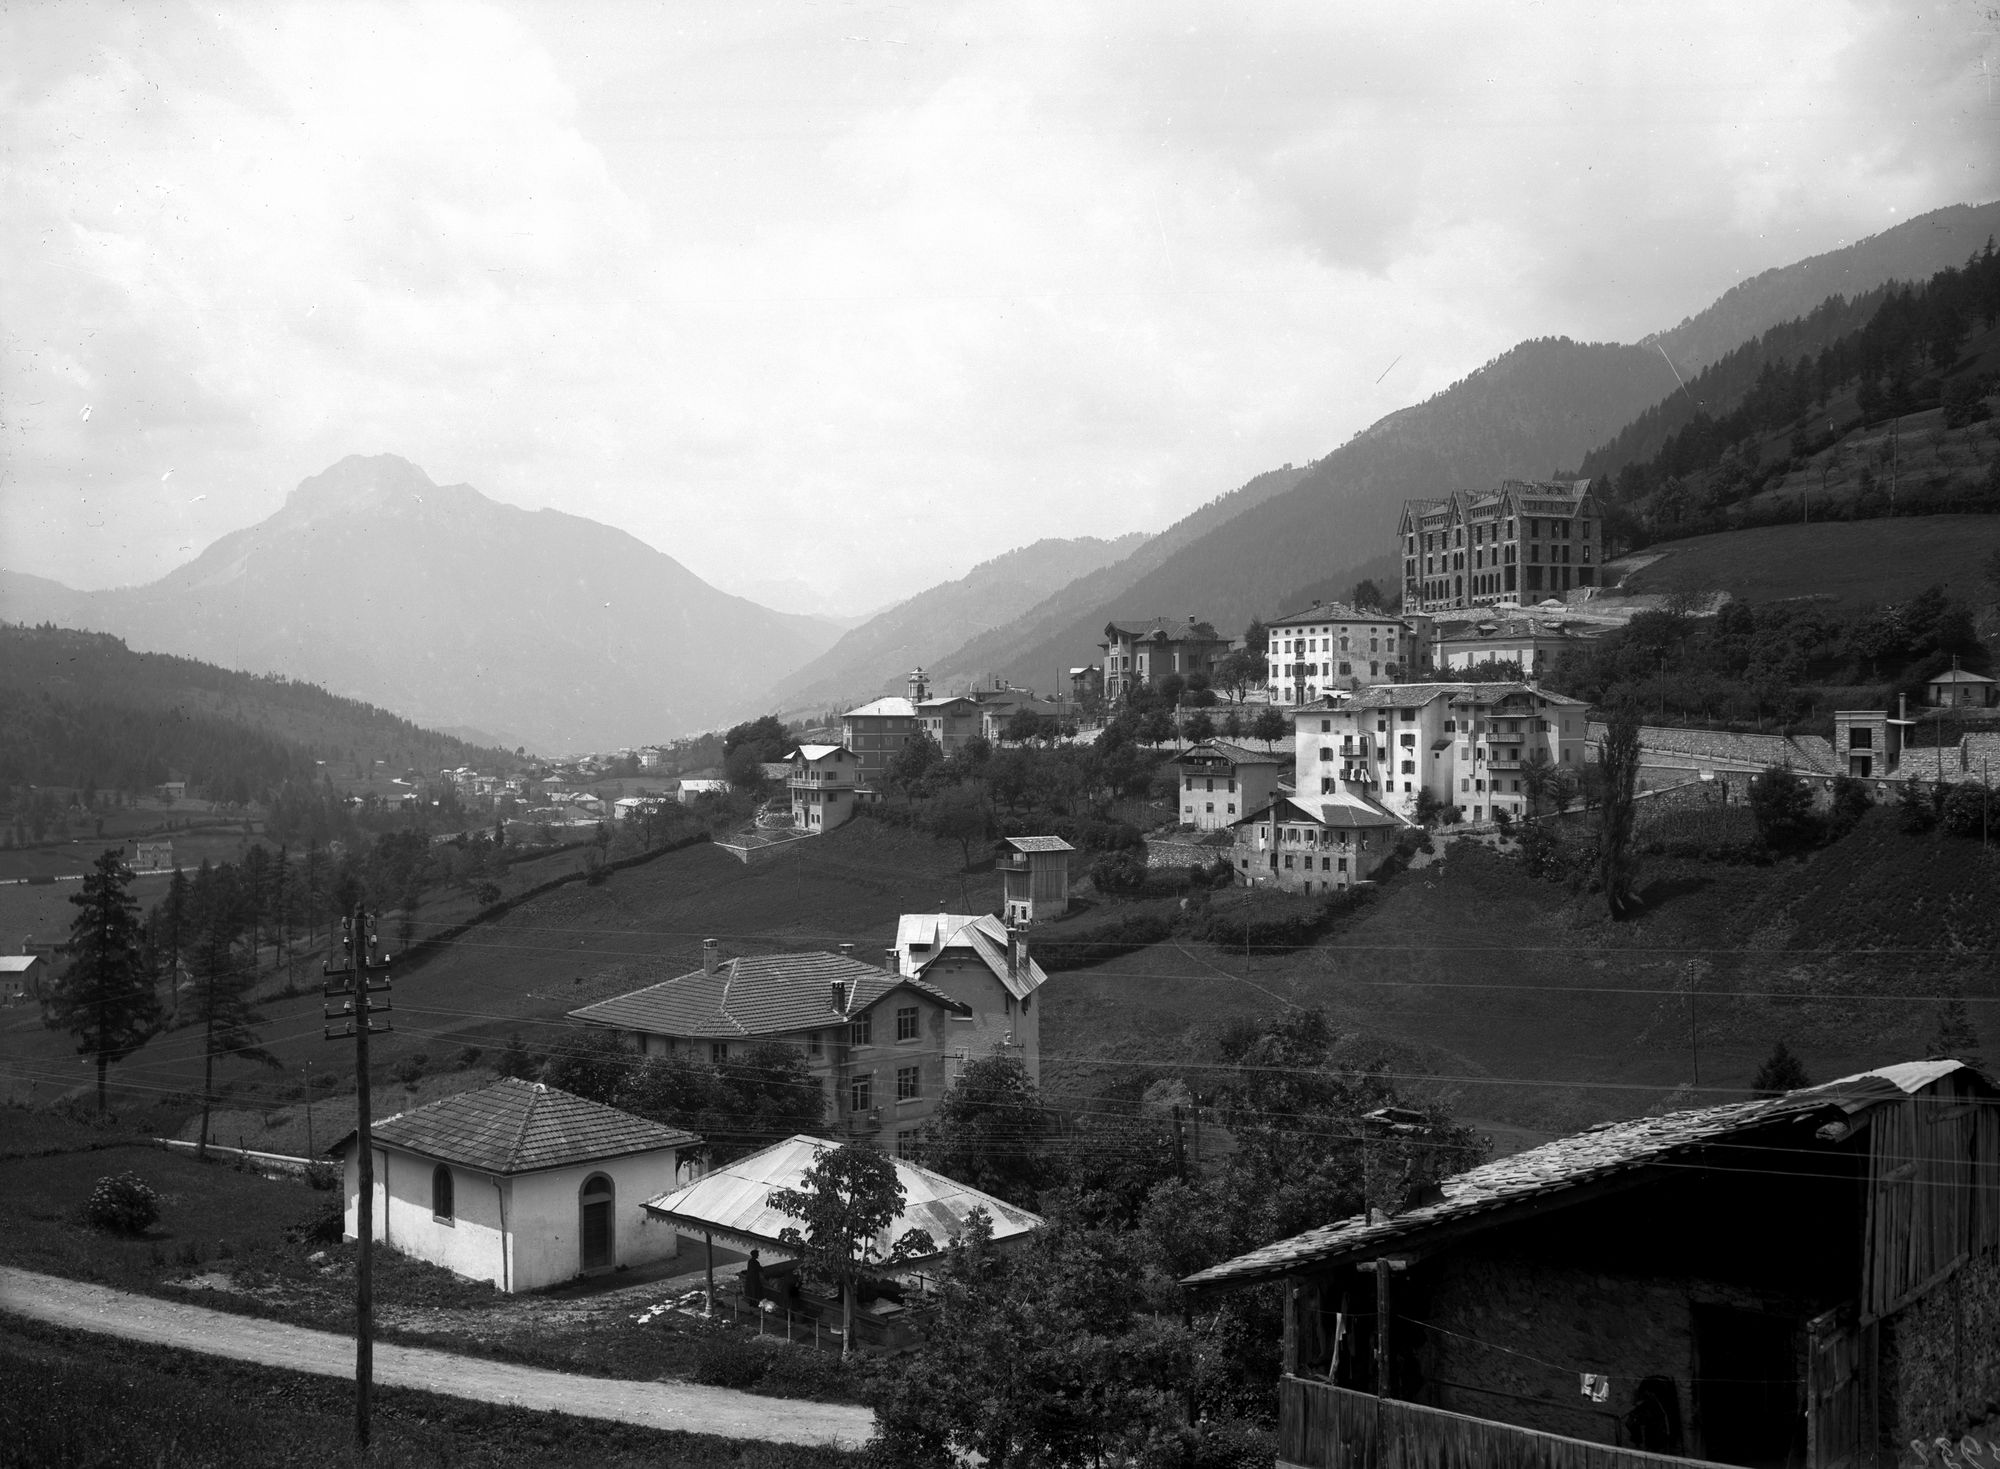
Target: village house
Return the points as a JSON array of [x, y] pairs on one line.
[[520, 1184], [950, 721], [876, 732], [822, 780], [1221, 781], [1959, 688], [1086, 683], [692, 788], [1532, 643], [876, 1039], [1137, 655], [1517, 543], [1330, 646], [153, 856], [1811, 1279], [979, 961], [21, 977], [1314, 844], [997, 711], [1034, 878], [1464, 743]]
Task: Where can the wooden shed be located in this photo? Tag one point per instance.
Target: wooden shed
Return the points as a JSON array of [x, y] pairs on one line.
[[1811, 1279]]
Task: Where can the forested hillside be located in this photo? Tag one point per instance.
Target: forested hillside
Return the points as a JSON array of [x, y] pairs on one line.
[[82, 709]]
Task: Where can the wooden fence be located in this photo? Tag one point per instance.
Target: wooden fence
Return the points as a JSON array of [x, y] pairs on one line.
[[1321, 1426]]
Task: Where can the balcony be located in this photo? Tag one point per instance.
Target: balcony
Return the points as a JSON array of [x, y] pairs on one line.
[[1321, 1426]]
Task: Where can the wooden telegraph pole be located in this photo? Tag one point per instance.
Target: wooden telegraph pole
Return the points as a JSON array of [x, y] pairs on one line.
[[351, 984]]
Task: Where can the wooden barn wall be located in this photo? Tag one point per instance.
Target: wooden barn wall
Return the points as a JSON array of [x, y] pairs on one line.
[[1927, 1208]]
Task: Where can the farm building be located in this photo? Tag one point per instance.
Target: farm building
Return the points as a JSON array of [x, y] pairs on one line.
[[520, 1184], [1811, 1279], [1034, 872]]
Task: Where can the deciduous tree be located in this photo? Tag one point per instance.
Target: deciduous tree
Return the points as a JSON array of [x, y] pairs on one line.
[[846, 1202], [1617, 859]]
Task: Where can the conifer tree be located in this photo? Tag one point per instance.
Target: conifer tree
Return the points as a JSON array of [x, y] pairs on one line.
[[105, 998], [222, 981], [1781, 1072]]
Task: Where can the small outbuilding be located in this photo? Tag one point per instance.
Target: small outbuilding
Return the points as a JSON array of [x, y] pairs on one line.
[[520, 1183], [1960, 688], [1034, 873]]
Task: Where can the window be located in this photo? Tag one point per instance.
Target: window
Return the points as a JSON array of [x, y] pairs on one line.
[[1343, 864], [1288, 860], [441, 1201], [1232, 808], [861, 1094], [718, 1052], [906, 1022], [1325, 864], [1325, 753], [909, 1083], [861, 1029], [906, 1144]]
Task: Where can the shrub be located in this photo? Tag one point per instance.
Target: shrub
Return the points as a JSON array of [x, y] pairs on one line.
[[324, 1225], [803, 1372], [1969, 810], [322, 1176], [123, 1203], [728, 1360]]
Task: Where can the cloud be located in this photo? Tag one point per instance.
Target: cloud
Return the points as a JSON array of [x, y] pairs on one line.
[[861, 295]]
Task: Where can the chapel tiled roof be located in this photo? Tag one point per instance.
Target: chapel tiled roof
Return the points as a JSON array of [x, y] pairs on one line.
[[1565, 1163], [520, 1127], [758, 995]]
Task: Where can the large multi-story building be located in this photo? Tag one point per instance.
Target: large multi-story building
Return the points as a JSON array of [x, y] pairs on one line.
[[1465, 743], [876, 732], [1330, 646], [1520, 543], [1137, 655], [1221, 781], [1534, 643], [979, 961], [822, 780], [876, 1039]]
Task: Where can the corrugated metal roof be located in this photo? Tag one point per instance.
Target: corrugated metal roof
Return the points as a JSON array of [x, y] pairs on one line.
[[735, 1199], [1564, 1163], [764, 994], [520, 1127]]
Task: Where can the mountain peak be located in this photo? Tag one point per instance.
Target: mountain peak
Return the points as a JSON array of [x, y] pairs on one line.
[[361, 482]]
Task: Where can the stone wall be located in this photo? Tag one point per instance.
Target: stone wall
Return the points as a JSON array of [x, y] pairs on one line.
[[1943, 1367]]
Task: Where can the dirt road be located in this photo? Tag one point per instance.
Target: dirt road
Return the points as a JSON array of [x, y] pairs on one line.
[[684, 1406]]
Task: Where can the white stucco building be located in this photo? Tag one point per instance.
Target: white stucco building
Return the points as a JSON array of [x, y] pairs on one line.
[[984, 965], [520, 1184], [822, 779]]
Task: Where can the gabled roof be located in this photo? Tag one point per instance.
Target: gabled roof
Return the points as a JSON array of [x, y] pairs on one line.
[[1961, 675], [1598, 1152], [810, 753], [520, 1127], [893, 707], [985, 936], [1405, 695], [1238, 754], [1336, 809], [759, 995], [734, 1200], [1333, 612], [17, 963], [937, 705], [1164, 629], [1037, 844]]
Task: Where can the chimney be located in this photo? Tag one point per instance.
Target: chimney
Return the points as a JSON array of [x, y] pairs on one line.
[[710, 956], [1021, 956], [891, 960], [837, 996], [847, 951]]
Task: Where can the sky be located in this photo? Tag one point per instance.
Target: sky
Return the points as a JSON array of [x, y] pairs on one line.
[[832, 301]]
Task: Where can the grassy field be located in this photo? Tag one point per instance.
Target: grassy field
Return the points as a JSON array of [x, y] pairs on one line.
[[1850, 561], [1477, 982], [527, 969], [75, 1400], [238, 1241]]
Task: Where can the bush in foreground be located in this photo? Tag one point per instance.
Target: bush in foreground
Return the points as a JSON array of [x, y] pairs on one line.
[[123, 1203]]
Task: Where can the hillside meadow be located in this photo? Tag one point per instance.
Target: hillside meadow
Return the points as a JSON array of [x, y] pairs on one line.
[[1859, 561]]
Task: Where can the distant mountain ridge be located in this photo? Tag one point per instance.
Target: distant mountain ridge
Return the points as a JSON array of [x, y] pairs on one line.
[[875, 657], [1535, 410], [552, 631]]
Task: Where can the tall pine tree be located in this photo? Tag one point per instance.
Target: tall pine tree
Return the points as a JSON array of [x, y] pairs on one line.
[[105, 998], [222, 979]]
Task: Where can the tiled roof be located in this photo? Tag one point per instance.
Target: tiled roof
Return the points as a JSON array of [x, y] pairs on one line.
[[1164, 628], [1403, 695], [893, 707], [735, 1199], [1339, 809], [1961, 675], [945, 700], [1038, 844], [1332, 612], [520, 1127], [1515, 627], [759, 995], [1241, 754], [1564, 1163]]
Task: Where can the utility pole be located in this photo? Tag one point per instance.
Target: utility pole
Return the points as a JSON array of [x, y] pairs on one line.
[[350, 983]]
